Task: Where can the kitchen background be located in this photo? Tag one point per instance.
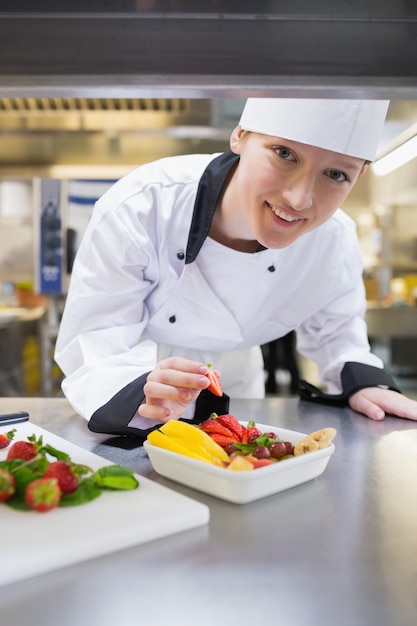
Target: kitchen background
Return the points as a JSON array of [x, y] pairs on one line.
[[89, 91]]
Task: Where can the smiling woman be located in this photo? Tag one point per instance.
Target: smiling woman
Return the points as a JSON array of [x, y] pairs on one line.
[[174, 272]]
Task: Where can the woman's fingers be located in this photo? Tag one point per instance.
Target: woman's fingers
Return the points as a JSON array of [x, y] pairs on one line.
[[171, 386], [375, 403], [158, 413], [360, 403], [178, 373]]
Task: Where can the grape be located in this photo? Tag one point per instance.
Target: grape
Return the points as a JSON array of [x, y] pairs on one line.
[[261, 452], [289, 446], [278, 449], [253, 438], [272, 435], [230, 448]]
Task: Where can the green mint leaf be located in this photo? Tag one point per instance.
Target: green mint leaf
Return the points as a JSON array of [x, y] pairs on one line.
[[18, 503], [80, 470], [116, 477], [58, 454], [27, 472], [246, 448]]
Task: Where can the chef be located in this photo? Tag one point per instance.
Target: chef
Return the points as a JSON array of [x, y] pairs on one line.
[[200, 259]]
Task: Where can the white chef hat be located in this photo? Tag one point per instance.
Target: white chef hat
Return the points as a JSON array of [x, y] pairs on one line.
[[351, 127]]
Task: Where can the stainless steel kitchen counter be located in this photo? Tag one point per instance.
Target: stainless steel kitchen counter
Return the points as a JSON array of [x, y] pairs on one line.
[[340, 550]]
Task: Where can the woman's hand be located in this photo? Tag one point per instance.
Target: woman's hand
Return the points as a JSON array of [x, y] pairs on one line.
[[375, 403], [171, 387]]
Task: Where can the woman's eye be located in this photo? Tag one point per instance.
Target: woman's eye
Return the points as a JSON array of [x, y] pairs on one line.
[[284, 153], [337, 175]]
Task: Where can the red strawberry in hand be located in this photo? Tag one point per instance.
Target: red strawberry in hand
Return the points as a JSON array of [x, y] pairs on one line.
[[215, 385], [5, 438], [62, 471], [43, 494]]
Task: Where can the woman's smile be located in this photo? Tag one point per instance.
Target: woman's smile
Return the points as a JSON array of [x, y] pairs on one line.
[[284, 215]]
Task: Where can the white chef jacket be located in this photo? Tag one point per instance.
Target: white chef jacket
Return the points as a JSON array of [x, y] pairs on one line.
[[148, 282]]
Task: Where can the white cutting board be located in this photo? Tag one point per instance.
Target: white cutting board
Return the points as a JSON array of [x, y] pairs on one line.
[[34, 543]]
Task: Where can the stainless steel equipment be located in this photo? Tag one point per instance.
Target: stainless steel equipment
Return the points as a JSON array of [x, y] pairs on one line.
[[152, 48]]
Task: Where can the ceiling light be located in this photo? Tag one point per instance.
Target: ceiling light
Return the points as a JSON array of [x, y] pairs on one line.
[[395, 158]]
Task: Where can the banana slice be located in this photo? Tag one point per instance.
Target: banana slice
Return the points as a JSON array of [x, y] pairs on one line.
[[324, 436], [307, 444], [315, 441]]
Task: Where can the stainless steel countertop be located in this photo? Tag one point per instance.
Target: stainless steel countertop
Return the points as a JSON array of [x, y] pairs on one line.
[[340, 550]]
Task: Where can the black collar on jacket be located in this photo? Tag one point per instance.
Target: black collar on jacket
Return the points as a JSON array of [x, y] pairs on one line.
[[208, 192]]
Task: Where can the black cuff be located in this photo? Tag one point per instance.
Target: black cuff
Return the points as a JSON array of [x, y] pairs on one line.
[[207, 403], [354, 376], [114, 416]]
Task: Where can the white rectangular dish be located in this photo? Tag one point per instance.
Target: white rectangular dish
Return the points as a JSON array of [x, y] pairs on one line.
[[34, 543], [246, 486]]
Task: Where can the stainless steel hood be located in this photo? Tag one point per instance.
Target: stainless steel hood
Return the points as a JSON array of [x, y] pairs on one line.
[[217, 48], [103, 137]]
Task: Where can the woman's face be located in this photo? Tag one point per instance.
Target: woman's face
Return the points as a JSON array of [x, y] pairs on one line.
[[283, 189]]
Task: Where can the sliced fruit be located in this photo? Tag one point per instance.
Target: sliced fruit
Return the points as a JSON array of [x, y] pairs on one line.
[[159, 439], [307, 444], [214, 426], [259, 462], [222, 440], [315, 441], [183, 430], [232, 423], [324, 436], [240, 464], [215, 385]]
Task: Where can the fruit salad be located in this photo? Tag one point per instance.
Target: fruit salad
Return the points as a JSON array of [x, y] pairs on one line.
[[223, 441]]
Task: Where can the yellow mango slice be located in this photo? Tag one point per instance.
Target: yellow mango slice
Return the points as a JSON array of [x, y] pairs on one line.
[[157, 438], [193, 434]]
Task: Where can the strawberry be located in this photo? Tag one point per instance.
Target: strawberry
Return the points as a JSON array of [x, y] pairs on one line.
[[43, 494], [24, 450], [213, 426], [222, 440], [232, 423], [5, 438], [215, 385], [7, 485], [245, 435], [62, 471], [253, 432]]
